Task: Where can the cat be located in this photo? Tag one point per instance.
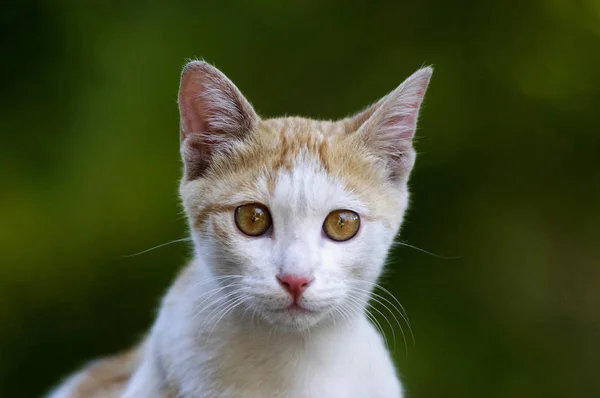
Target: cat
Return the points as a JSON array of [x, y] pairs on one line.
[[291, 221]]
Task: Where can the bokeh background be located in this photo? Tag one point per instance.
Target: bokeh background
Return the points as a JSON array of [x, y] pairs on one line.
[[508, 176]]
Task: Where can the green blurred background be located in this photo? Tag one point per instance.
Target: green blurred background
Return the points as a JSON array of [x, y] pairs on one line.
[[508, 176]]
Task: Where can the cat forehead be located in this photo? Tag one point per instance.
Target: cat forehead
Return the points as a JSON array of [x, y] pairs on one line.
[[298, 127], [287, 143], [292, 160], [305, 186], [308, 150]]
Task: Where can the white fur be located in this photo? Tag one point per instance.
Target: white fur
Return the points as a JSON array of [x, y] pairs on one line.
[[231, 342]]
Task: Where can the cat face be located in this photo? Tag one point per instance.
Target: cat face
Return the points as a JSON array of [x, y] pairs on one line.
[[294, 216]]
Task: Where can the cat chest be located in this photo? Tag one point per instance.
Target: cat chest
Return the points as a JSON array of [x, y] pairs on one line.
[[294, 373]]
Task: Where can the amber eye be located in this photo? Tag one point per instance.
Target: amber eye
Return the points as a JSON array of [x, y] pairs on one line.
[[341, 225], [253, 219]]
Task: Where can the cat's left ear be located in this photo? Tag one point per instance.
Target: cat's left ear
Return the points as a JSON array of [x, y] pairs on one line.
[[389, 125], [213, 114]]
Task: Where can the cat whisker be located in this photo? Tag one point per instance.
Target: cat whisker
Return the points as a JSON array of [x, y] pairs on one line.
[[360, 307], [400, 308], [220, 297], [373, 296], [246, 310], [402, 313], [218, 288], [400, 243], [331, 316], [378, 326], [221, 303], [231, 307], [253, 318], [215, 290], [389, 324], [234, 303], [200, 307], [216, 278], [340, 309], [224, 299], [376, 297], [159, 246]]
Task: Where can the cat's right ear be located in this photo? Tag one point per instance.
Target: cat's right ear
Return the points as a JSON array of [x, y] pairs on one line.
[[388, 127], [213, 112]]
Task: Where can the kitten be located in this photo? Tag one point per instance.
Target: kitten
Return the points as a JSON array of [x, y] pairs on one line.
[[291, 221]]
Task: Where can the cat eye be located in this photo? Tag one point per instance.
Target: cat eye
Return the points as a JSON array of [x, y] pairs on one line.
[[341, 225], [253, 219]]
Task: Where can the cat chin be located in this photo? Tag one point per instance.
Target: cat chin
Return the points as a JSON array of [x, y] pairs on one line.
[[293, 320]]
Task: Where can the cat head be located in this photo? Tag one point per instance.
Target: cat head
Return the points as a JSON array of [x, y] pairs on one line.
[[294, 216]]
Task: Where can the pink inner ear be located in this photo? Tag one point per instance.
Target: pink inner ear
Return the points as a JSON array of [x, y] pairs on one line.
[[210, 104], [212, 113], [400, 111], [390, 128], [193, 114], [189, 123], [405, 123]]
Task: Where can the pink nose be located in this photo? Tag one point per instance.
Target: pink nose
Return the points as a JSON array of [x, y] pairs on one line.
[[294, 284]]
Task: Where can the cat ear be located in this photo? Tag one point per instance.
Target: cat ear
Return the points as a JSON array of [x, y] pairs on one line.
[[213, 112], [389, 125]]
